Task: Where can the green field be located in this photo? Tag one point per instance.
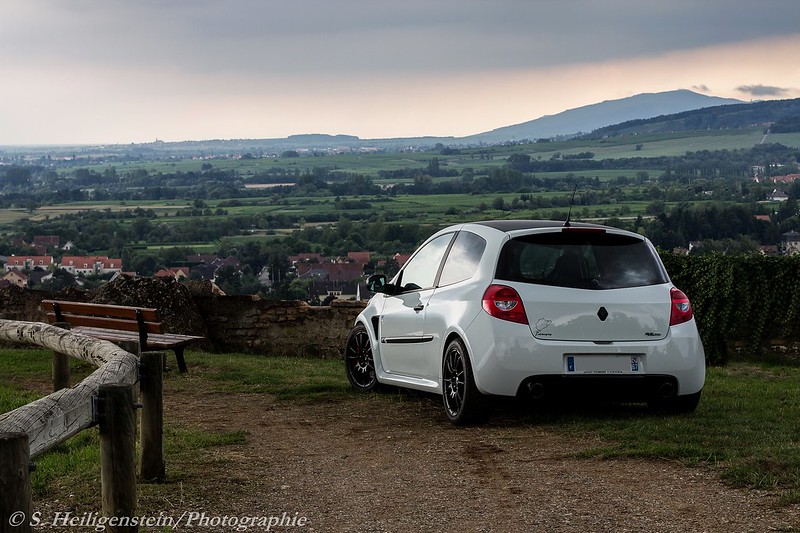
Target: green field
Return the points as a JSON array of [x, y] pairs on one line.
[[672, 144]]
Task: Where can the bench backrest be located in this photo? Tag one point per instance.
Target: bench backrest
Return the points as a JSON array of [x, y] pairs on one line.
[[105, 316]]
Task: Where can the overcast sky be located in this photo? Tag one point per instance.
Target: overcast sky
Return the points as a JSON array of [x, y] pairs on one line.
[[121, 71]]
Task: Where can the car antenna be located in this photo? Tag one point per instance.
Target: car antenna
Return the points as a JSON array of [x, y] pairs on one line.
[[571, 201]]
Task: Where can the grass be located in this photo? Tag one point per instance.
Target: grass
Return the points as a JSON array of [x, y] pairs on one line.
[[286, 378], [746, 429]]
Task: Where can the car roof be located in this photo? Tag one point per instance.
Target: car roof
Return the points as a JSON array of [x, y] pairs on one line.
[[516, 225]]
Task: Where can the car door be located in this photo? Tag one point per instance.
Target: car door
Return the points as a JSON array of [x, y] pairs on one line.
[[455, 301], [402, 322]]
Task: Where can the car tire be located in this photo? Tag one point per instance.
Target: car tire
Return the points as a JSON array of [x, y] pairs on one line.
[[359, 362], [463, 403], [677, 405]]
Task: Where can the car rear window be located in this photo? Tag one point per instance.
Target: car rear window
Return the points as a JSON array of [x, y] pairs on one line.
[[588, 260]]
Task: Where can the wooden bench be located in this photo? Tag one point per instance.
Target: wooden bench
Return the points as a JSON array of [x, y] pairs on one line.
[[118, 323]]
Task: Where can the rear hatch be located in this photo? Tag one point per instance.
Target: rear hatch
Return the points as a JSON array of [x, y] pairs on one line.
[[565, 314], [588, 284]]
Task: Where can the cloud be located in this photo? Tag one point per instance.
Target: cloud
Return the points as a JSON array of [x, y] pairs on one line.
[[764, 90], [270, 39], [703, 88]]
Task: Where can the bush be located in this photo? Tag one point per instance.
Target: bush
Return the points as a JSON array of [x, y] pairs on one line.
[[750, 298]]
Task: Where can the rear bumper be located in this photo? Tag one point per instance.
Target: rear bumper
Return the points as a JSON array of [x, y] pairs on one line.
[[632, 388], [505, 357]]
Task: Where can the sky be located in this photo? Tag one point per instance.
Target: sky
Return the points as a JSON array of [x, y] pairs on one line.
[[131, 71]]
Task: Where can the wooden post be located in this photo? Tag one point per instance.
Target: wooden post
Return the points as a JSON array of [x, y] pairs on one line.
[[118, 455], [151, 388], [15, 482], [61, 364], [129, 346]]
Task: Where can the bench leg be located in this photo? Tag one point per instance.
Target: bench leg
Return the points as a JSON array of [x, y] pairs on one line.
[[180, 359]]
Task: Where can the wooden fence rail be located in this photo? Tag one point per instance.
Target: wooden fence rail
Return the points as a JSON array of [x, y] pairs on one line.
[[51, 420], [64, 413]]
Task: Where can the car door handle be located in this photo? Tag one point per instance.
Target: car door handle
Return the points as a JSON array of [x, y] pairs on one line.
[[419, 307]]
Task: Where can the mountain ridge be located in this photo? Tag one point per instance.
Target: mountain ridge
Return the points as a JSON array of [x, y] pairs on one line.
[[568, 123], [585, 119]]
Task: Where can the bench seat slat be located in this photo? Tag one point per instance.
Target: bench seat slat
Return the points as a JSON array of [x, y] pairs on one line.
[[164, 340]]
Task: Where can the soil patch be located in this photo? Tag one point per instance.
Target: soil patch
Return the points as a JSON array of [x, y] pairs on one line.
[[366, 464]]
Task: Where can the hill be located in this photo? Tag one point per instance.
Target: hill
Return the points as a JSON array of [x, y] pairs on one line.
[[783, 115], [591, 117]]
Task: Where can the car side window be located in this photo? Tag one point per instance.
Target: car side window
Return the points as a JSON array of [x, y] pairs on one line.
[[420, 271], [463, 259]]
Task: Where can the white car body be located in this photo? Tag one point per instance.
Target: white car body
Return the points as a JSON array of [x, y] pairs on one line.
[[614, 340]]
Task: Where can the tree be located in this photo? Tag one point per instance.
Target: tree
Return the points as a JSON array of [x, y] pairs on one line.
[[16, 176], [229, 279], [519, 162], [61, 279], [141, 228]]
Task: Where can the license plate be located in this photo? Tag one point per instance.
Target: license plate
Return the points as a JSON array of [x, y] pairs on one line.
[[603, 364]]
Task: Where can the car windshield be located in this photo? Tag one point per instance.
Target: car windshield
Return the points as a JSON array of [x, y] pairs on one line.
[[580, 259]]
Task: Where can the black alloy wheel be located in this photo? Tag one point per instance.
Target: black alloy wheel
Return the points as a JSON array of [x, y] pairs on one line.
[[463, 403], [358, 361]]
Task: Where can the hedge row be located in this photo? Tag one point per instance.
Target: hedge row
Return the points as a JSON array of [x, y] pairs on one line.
[[750, 299]]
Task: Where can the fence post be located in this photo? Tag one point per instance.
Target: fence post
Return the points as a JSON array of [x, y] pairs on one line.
[[129, 346], [117, 419], [61, 371], [15, 482], [151, 388]]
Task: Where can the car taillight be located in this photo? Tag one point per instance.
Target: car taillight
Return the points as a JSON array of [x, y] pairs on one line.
[[681, 308], [504, 303]]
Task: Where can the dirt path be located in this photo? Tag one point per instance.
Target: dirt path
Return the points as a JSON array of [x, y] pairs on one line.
[[366, 464]]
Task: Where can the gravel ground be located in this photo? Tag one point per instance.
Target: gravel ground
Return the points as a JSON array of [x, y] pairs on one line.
[[367, 464]]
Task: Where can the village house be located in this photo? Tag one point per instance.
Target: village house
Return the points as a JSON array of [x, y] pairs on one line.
[[16, 278], [340, 290], [205, 266], [179, 273], [90, 265], [791, 242], [401, 259], [307, 257], [778, 196], [359, 257], [29, 262], [331, 271], [50, 242], [788, 178]]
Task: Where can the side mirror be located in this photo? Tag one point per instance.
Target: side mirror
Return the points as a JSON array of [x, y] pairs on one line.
[[377, 282]]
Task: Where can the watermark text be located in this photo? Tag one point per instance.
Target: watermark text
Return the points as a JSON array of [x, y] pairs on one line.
[[188, 520]]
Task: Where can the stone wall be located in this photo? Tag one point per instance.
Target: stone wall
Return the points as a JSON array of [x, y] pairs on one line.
[[246, 324], [233, 323]]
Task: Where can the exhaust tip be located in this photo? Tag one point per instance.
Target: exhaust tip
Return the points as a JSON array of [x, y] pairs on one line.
[[536, 390], [667, 389]]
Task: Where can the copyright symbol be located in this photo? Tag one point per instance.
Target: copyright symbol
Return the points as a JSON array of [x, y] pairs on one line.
[[16, 519]]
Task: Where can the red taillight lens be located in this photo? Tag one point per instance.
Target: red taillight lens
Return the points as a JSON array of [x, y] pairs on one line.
[[681, 308], [504, 303]]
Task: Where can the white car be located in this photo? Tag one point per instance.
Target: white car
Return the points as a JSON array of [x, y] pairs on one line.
[[530, 308]]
